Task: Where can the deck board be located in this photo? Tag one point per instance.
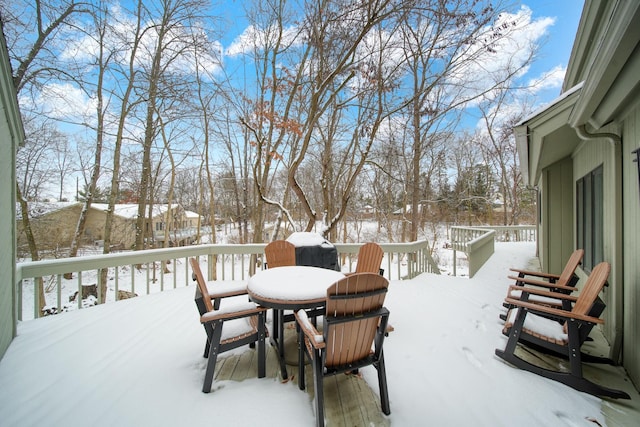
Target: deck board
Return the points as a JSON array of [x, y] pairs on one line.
[[349, 400]]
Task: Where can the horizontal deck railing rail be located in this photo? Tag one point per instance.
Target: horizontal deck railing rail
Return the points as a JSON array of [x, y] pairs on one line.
[[513, 233], [155, 270], [478, 242]]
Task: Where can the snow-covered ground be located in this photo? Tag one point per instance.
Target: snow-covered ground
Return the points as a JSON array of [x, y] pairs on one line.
[[139, 363]]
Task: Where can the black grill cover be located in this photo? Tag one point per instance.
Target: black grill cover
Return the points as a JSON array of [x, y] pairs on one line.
[[314, 251]]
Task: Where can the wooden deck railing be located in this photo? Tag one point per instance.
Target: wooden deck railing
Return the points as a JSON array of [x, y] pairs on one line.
[[478, 242], [155, 270]]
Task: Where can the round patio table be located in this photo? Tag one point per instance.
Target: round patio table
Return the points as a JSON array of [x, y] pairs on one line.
[[290, 288]]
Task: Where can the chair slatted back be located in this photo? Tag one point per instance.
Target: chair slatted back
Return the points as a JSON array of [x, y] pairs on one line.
[[280, 253], [202, 284], [570, 267], [369, 258], [349, 333], [592, 288]]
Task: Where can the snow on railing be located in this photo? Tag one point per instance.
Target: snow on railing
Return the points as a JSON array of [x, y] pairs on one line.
[[74, 283]]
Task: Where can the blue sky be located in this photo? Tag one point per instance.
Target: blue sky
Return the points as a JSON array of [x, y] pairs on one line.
[[554, 21], [557, 49], [555, 52]]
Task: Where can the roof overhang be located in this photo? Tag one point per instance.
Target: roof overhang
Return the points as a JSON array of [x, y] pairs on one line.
[[8, 99], [612, 83], [545, 137]]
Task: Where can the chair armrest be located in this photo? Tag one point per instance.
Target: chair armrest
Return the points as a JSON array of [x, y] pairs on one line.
[[516, 293], [542, 293], [244, 311], [555, 312], [228, 294], [540, 283], [315, 338], [536, 273]]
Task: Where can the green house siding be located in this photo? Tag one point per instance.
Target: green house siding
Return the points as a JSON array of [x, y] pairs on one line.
[[631, 241], [7, 227], [605, 153], [595, 123], [557, 204], [11, 135]]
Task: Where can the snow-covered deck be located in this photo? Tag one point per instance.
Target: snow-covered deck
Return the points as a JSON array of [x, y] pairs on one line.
[[139, 362]]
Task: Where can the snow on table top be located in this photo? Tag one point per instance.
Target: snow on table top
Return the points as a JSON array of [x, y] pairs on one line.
[[293, 283]]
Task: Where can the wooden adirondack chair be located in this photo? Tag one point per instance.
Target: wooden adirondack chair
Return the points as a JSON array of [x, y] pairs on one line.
[[547, 280], [249, 327], [369, 259], [280, 253], [567, 338], [354, 321], [218, 290], [563, 283]]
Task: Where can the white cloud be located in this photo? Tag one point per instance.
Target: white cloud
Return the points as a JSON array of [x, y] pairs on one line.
[[551, 79], [494, 59], [62, 101], [119, 41], [253, 38]]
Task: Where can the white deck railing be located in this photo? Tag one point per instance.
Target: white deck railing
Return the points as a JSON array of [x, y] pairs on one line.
[[478, 242], [155, 270]]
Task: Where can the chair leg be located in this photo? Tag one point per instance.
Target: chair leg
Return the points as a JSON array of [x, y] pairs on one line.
[[382, 384], [567, 378], [209, 331], [573, 379], [206, 349], [280, 342], [261, 345], [213, 356], [576, 379], [319, 388], [301, 359]]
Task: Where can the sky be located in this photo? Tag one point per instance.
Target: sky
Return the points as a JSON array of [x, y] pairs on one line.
[[554, 53], [553, 25], [557, 50], [555, 22], [139, 362]]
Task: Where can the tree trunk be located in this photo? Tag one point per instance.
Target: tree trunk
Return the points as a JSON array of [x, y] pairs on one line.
[[33, 249]]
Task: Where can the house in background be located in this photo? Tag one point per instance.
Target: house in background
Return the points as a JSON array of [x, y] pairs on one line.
[[191, 219], [580, 154], [11, 136], [54, 224]]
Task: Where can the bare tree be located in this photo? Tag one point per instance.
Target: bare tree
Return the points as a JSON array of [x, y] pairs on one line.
[[297, 102], [169, 45], [128, 75], [32, 30], [103, 57], [443, 42], [499, 144], [35, 158], [64, 163]]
